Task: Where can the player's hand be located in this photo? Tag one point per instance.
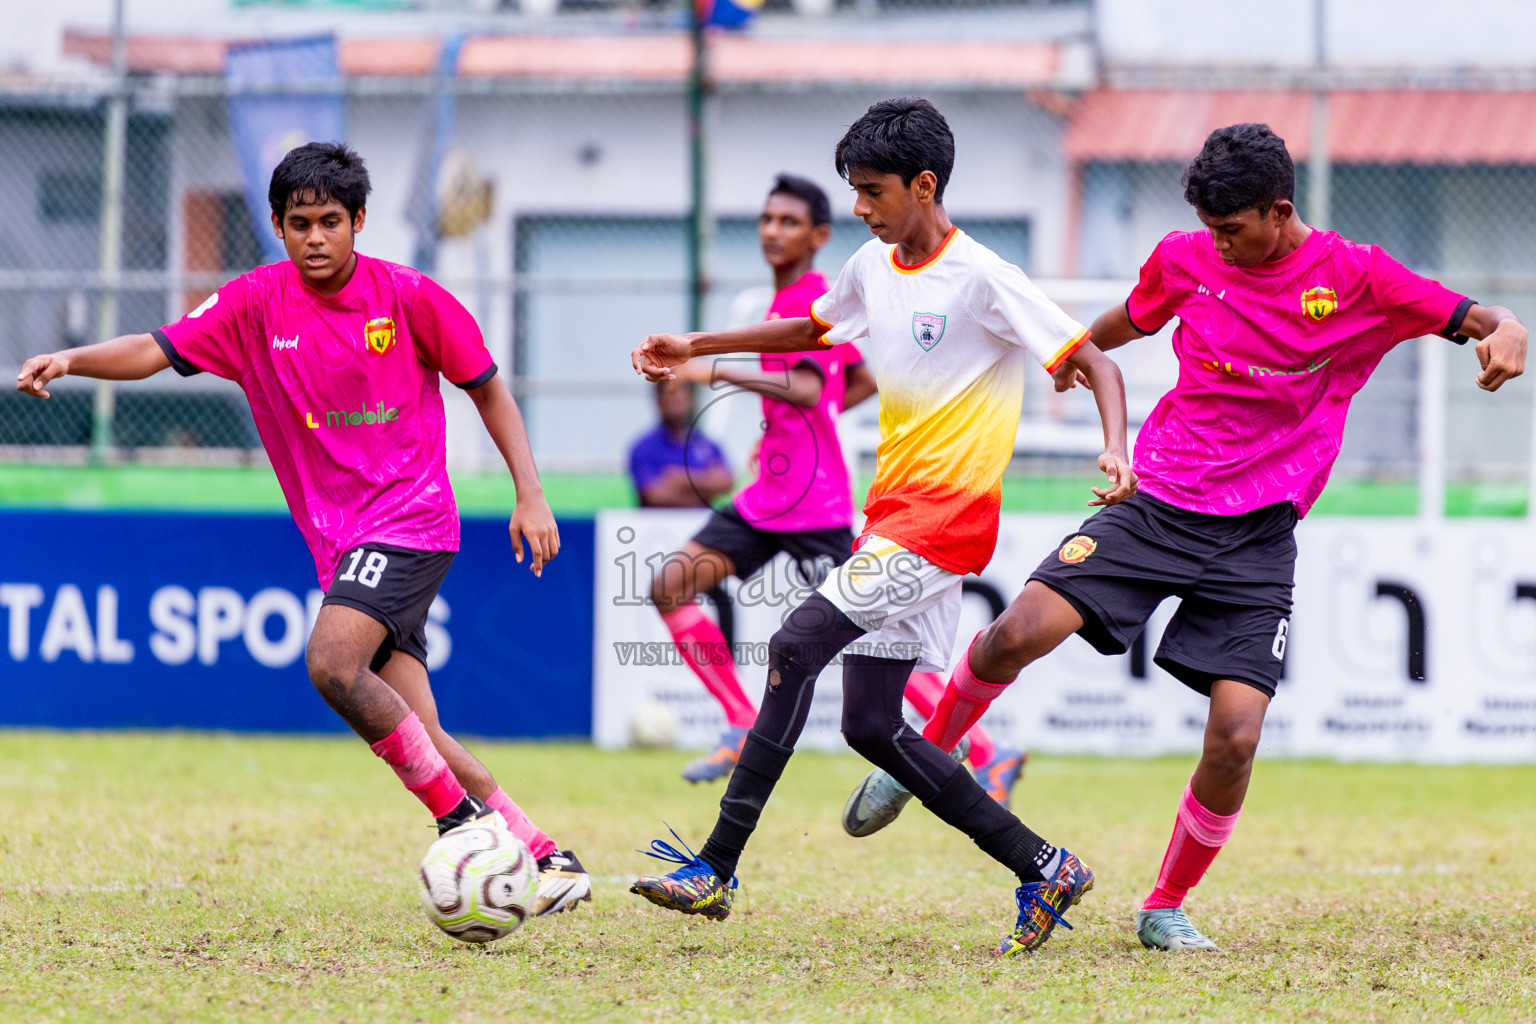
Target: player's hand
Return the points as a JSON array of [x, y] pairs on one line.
[[532, 519], [38, 371], [1120, 477], [1067, 376], [654, 357], [1502, 354]]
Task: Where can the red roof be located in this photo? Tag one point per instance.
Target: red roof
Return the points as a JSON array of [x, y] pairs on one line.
[[1381, 126], [663, 57]]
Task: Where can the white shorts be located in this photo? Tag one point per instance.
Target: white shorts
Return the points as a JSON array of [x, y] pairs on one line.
[[910, 606]]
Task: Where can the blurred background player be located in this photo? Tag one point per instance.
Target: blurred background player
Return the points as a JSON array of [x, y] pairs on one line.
[[801, 500], [1279, 326], [948, 323], [339, 355], [675, 465]]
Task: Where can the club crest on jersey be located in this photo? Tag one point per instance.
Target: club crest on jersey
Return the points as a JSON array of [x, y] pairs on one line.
[[1319, 303], [380, 335], [927, 329], [1077, 549]]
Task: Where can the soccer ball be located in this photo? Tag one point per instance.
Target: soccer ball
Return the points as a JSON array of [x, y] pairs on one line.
[[653, 724], [477, 881]]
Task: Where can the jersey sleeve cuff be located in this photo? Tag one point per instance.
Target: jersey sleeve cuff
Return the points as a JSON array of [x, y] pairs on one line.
[[811, 364], [178, 362], [483, 377], [819, 322], [1142, 330], [1453, 326], [1065, 352]]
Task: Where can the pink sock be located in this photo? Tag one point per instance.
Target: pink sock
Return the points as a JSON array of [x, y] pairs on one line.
[[965, 700], [539, 844], [409, 751], [703, 646], [1198, 835], [923, 692]]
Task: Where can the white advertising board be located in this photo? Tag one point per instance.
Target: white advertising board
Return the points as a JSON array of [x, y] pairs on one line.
[[1409, 641]]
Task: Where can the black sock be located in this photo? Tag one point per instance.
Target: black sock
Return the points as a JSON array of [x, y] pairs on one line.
[[962, 802], [756, 773], [811, 636]]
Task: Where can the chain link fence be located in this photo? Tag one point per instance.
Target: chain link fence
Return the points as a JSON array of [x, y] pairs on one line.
[[562, 217]]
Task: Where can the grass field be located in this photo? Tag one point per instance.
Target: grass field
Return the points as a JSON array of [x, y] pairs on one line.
[[194, 877]]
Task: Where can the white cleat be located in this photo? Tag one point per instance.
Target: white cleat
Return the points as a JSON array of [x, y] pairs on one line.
[[563, 883], [877, 801]]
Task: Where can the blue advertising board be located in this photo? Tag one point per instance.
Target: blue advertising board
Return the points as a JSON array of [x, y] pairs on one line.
[[199, 621]]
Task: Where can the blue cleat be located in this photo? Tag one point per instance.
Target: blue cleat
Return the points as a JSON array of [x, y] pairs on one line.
[[693, 888], [1041, 905]]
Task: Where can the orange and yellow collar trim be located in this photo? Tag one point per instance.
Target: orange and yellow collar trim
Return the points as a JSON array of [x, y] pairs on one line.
[[933, 257]]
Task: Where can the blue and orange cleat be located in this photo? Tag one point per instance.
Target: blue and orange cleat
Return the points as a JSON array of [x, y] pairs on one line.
[[999, 775], [1041, 905], [693, 888], [721, 761]]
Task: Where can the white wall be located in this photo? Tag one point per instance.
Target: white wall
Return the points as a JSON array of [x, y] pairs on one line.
[[1416, 34]]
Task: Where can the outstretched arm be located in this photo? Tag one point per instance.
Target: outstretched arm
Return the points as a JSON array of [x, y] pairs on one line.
[[1500, 344], [1112, 329], [531, 517], [1103, 378], [130, 357], [658, 353], [796, 385]]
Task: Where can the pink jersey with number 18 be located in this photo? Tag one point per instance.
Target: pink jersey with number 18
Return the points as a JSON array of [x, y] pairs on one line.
[[344, 391], [1269, 357]]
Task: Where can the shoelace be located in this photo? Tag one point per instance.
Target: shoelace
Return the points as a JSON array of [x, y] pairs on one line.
[[665, 851], [1028, 897]]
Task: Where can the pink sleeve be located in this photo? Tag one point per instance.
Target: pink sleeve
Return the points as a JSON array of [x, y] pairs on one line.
[[212, 337], [1149, 305], [447, 337], [1415, 306]]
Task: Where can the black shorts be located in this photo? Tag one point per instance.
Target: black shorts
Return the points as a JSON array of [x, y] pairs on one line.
[[816, 552], [395, 586], [1233, 575]]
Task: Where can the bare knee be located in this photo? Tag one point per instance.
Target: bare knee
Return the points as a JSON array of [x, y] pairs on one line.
[[334, 673], [1230, 748]]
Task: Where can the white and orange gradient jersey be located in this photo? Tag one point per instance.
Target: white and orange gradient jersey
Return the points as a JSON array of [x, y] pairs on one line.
[[946, 342]]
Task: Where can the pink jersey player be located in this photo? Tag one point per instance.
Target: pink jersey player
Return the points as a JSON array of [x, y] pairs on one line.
[[1279, 326], [339, 356], [344, 391]]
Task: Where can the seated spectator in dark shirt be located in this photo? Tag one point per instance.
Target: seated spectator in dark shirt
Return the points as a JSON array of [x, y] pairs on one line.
[[675, 465]]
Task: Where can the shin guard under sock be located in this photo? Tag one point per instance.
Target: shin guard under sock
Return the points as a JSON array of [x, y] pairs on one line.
[[1198, 835], [409, 751], [751, 783], [703, 647], [964, 701], [539, 844], [962, 802]]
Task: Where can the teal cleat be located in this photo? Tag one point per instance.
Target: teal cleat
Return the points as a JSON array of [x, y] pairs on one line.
[[721, 761], [1041, 905], [879, 799], [693, 888], [1168, 928]]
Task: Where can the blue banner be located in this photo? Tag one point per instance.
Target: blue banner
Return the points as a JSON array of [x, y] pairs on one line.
[[266, 127], [200, 621]]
